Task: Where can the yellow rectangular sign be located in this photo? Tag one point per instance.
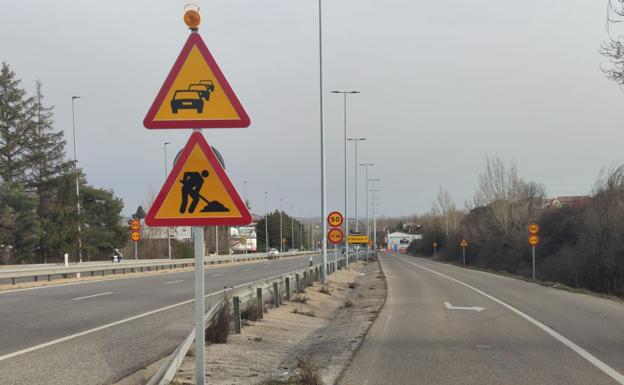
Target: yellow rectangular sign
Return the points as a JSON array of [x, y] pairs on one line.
[[358, 239]]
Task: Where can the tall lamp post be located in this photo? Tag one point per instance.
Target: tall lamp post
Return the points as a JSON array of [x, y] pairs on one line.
[[168, 227], [281, 241], [245, 200], [357, 218], [292, 226], [366, 166], [266, 221], [346, 175], [74, 98], [322, 142]]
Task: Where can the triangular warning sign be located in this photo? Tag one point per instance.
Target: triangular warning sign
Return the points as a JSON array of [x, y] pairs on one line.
[[198, 192], [196, 94]]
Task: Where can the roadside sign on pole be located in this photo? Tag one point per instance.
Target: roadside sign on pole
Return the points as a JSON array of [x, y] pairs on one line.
[[135, 225], [335, 219], [198, 192], [534, 240], [196, 94], [463, 243], [135, 236], [435, 244], [335, 235], [534, 228], [358, 239]]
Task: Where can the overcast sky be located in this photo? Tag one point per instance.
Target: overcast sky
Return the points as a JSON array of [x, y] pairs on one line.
[[443, 84]]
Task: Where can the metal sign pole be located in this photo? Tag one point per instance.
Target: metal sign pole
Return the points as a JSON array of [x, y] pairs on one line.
[[464, 255], [136, 249], [200, 341], [533, 263]]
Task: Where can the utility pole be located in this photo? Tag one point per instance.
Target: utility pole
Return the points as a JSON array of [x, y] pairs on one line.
[[266, 221], [346, 175], [292, 228], [323, 176], [281, 241], [74, 98], [366, 165], [357, 219], [168, 227]]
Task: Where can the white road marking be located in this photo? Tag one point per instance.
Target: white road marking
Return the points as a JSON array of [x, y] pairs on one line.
[[176, 281], [70, 337], [246, 270], [217, 275], [617, 376], [266, 267], [451, 307], [91, 296]]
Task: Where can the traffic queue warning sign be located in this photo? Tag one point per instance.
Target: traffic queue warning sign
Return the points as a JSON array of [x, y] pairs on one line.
[[198, 192], [196, 94], [358, 239], [335, 236]]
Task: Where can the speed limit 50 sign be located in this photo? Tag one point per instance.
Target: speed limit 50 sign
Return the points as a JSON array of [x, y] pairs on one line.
[[335, 219]]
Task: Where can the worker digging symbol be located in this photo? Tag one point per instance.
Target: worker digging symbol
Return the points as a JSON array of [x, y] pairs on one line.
[[192, 182]]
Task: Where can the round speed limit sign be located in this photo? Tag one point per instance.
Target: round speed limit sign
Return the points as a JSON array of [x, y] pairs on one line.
[[135, 236], [335, 219]]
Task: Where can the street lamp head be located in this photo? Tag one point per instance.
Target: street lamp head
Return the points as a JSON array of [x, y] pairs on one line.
[[344, 92], [356, 138], [367, 164], [75, 97]]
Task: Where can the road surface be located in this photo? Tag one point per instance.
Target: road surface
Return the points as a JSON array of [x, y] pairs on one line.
[[443, 324], [100, 331]]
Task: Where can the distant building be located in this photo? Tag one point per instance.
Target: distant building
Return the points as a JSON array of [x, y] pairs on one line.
[[568, 201], [398, 242]]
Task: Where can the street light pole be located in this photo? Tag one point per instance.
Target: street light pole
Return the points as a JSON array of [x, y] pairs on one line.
[[292, 227], [281, 241], [366, 165], [323, 176], [168, 227], [245, 200], [346, 175], [357, 218], [77, 179], [266, 222]]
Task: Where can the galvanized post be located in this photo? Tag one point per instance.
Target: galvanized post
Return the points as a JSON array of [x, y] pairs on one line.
[[260, 301], [297, 283], [237, 314], [276, 298], [305, 278], [287, 281], [534, 263]]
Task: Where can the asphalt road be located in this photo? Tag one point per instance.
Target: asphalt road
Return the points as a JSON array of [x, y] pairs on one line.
[[38, 327], [526, 333]]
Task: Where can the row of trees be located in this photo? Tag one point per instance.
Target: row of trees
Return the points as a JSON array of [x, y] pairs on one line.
[[38, 202], [288, 224], [581, 246]]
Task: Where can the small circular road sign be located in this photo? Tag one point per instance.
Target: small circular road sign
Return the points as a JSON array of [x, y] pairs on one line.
[[135, 236], [335, 236], [534, 240], [534, 228], [335, 219], [435, 244], [135, 225]]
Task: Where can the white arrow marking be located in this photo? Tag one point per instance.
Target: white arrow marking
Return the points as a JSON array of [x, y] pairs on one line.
[[451, 307]]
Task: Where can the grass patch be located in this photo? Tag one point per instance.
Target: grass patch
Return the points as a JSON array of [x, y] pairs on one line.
[[348, 303], [301, 298], [301, 312], [306, 373], [353, 285], [252, 311], [219, 330], [325, 290]]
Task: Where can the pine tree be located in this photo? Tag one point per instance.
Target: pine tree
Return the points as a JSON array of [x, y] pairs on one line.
[[48, 176], [15, 107], [19, 229]]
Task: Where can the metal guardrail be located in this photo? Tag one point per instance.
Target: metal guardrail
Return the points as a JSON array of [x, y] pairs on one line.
[[132, 266], [168, 370]]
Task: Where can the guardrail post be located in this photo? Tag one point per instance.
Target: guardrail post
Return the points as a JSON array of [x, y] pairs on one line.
[[260, 301], [297, 283], [92, 273], [276, 297], [123, 271], [237, 314], [36, 278], [316, 274], [103, 272], [287, 279], [305, 278], [13, 281]]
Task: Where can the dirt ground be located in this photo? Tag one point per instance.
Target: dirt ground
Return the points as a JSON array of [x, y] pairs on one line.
[[328, 335]]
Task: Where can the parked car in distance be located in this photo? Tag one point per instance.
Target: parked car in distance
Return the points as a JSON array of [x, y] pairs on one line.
[[273, 252], [187, 100], [209, 83], [292, 250], [203, 89]]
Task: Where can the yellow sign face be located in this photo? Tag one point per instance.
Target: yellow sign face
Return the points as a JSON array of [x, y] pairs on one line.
[[534, 228], [198, 192], [358, 239], [463, 243], [533, 240], [196, 94], [135, 236]]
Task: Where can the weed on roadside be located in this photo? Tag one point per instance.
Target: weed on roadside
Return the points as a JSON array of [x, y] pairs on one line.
[[219, 330], [352, 285], [348, 303], [301, 312], [252, 310], [301, 298]]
